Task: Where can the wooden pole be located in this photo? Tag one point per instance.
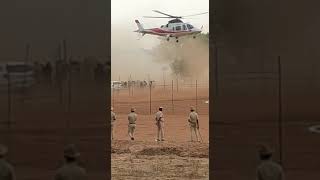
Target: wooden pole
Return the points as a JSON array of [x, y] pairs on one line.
[[24, 88], [9, 113], [130, 85], [9, 101], [177, 84], [280, 124], [150, 84], [172, 96], [164, 82], [197, 95], [66, 87], [216, 71], [59, 68], [113, 96]]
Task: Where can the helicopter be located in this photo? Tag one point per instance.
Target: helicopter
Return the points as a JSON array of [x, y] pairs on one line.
[[175, 28]]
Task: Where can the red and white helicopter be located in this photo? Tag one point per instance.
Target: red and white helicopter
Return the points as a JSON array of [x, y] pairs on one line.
[[175, 27]]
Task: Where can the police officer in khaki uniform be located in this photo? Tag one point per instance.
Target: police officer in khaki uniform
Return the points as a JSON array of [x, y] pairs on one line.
[[160, 124], [113, 119], [132, 118], [71, 170], [6, 169], [193, 122], [268, 169]]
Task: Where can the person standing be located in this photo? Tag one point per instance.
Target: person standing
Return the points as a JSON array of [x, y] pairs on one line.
[[268, 169], [6, 169], [160, 124], [71, 170], [132, 118], [193, 122]]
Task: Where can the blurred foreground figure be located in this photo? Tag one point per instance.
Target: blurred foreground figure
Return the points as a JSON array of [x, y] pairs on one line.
[[160, 124], [268, 169], [113, 119], [194, 123], [6, 170], [132, 118], [71, 170]]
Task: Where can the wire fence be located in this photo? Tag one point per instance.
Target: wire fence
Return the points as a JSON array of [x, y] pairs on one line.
[[175, 97]]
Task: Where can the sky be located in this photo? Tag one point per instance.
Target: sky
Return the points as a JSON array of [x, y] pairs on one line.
[[127, 55]]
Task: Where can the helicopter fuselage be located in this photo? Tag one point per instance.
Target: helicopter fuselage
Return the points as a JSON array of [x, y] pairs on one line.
[[170, 30]]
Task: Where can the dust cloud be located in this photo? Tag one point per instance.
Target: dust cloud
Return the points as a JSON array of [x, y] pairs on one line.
[[128, 55], [189, 58]]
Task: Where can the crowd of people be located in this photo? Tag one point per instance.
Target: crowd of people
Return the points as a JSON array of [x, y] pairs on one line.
[[55, 71]]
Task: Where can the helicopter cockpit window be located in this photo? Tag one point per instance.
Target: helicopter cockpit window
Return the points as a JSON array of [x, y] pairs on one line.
[[184, 27], [178, 28], [189, 26]]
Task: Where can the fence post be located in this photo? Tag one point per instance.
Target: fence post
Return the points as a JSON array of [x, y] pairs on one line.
[[9, 112], [9, 102], [197, 95], [177, 84], [280, 133], [69, 87], [172, 98], [113, 96], [150, 84], [164, 82], [132, 89]]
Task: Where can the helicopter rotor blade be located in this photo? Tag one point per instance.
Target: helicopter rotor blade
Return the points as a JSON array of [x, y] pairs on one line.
[[154, 17], [195, 14], [166, 14]]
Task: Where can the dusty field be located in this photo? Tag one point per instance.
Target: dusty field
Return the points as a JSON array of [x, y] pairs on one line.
[[176, 158], [165, 160]]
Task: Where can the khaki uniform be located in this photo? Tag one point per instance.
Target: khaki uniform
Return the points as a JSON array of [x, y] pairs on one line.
[[113, 119], [6, 170], [193, 118], [132, 118], [269, 170], [71, 171], [160, 124]]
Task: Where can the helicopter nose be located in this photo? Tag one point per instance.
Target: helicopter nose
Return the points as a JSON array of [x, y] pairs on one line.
[[198, 30]]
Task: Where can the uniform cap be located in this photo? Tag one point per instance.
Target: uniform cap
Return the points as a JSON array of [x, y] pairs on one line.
[[133, 109], [160, 107], [71, 151], [265, 150], [192, 108], [3, 150]]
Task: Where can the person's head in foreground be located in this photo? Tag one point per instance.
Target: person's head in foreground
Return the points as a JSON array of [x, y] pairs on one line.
[[111, 108], [3, 151], [160, 108], [133, 109], [71, 153], [265, 152]]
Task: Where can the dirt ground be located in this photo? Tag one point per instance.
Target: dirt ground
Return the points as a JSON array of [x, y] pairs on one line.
[[164, 160], [177, 157]]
